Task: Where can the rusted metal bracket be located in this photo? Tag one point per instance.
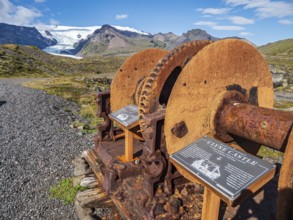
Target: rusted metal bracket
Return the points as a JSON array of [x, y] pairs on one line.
[[105, 130]]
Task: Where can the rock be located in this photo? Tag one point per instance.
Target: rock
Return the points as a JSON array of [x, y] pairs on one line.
[[80, 167], [184, 192], [82, 212], [173, 205], [285, 83], [80, 127], [80, 133], [94, 198], [277, 79], [77, 179], [89, 182], [78, 160]]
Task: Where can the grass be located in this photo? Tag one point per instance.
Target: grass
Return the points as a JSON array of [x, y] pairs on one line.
[[65, 191], [77, 89], [266, 152], [283, 104], [29, 61], [279, 54]]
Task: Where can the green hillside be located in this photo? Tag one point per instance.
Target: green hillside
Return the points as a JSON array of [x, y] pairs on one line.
[[29, 61], [279, 54], [283, 47]]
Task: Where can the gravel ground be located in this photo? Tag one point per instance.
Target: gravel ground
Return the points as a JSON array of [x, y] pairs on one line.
[[37, 147]]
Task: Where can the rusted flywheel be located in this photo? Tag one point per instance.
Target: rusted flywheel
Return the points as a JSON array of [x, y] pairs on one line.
[[159, 83], [130, 75], [222, 66], [223, 73]]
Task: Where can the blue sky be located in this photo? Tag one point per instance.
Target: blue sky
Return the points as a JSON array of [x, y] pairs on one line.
[[260, 21]]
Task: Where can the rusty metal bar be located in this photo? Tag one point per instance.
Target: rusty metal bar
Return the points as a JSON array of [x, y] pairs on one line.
[[261, 125]]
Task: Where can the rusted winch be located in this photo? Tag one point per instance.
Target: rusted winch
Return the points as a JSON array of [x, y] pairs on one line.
[[221, 89]]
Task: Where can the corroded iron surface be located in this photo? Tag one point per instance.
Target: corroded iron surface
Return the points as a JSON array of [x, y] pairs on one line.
[[261, 125], [158, 84], [128, 76], [226, 65]]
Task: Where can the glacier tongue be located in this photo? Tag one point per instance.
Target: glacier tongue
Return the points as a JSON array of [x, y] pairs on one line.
[[68, 36]]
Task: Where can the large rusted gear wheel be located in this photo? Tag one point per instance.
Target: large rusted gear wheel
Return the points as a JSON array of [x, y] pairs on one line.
[[159, 83], [219, 67], [130, 75]]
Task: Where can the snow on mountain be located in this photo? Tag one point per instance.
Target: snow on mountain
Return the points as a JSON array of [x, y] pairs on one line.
[[68, 36]]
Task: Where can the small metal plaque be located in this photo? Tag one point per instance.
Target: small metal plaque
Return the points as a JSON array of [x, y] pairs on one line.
[[126, 116], [225, 169]]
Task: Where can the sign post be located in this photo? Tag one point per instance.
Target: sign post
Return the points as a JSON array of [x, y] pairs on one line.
[[127, 118], [227, 173]]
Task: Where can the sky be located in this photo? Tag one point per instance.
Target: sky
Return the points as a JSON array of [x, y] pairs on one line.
[[260, 21]]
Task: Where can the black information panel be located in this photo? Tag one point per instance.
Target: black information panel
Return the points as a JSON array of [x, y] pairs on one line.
[[222, 167], [126, 116]]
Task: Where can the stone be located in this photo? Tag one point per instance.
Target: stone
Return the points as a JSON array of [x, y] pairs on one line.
[[83, 213], [80, 167], [184, 192], [78, 160], [94, 198], [173, 205], [80, 133], [77, 179], [285, 83], [89, 182]]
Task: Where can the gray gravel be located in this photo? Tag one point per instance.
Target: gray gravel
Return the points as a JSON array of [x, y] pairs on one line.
[[37, 147]]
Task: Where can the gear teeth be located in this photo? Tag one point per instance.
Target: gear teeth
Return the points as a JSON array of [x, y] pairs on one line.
[[147, 97]]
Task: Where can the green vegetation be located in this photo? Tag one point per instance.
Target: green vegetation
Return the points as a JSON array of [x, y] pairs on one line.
[[75, 80], [266, 152], [283, 47], [81, 90], [279, 54], [65, 191], [29, 61], [283, 104]]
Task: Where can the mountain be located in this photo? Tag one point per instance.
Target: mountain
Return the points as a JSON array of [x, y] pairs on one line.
[[12, 34], [109, 40], [71, 39], [279, 48], [173, 41], [279, 55], [98, 40]]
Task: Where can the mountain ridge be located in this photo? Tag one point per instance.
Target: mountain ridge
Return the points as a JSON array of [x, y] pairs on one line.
[[13, 34], [110, 40]]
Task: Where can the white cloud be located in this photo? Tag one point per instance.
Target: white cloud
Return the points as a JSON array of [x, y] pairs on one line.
[[121, 16], [214, 11], [241, 20], [54, 21], [40, 1], [285, 21], [265, 8], [227, 28], [275, 9], [205, 23], [17, 15], [215, 26], [243, 33]]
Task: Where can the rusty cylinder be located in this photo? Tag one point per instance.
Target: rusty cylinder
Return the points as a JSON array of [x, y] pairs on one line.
[[264, 126]]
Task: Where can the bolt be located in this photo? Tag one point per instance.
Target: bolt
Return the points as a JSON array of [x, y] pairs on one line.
[[264, 125]]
